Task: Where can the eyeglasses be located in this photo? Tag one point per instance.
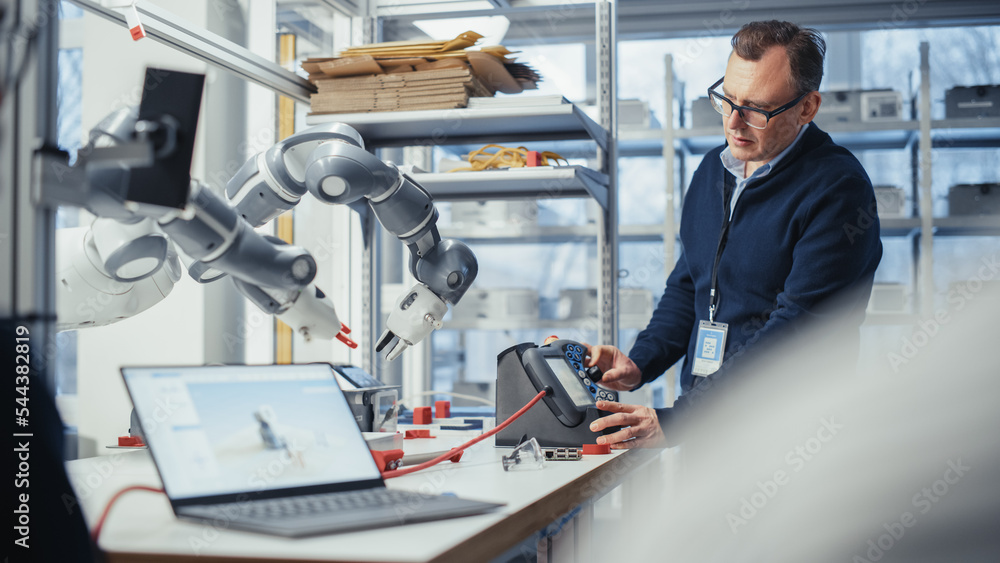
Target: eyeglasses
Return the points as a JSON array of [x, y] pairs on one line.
[[756, 118]]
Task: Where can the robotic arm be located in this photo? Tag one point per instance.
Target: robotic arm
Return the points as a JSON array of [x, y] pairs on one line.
[[128, 260], [330, 162]]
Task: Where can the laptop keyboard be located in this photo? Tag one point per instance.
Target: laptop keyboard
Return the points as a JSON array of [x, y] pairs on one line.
[[325, 503]]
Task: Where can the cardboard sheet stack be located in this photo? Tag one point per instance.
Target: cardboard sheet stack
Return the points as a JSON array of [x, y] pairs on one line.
[[427, 89], [400, 76]]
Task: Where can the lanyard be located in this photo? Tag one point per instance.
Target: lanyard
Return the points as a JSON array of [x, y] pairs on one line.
[[729, 184]]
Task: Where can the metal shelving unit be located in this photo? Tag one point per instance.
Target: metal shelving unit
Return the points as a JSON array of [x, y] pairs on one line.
[[522, 124], [919, 136], [972, 225], [550, 234], [507, 324], [530, 123]]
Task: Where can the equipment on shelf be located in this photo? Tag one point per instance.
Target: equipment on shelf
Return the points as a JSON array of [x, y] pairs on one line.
[[881, 105], [889, 299], [703, 114], [635, 114], [974, 199], [964, 290], [496, 213], [972, 101], [856, 106], [524, 370], [891, 201], [635, 305], [514, 305]]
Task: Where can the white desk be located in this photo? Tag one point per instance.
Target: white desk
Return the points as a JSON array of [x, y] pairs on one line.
[[141, 527]]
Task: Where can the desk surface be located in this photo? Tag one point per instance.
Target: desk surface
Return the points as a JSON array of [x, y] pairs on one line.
[[141, 527]]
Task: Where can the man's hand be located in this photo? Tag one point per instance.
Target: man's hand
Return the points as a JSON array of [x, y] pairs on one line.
[[620, 372], [643, 426]]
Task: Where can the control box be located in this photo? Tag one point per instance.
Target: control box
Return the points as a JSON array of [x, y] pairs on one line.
[[564, 420], [508, 304], [881, 105], [891, 201], [972, 101], [635, 305], [889, 299], [974, 199], [856, 106], [703, 114], [635, 114], [494, 214], [373, 403]]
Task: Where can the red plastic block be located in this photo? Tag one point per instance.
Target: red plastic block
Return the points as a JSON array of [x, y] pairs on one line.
[[596, 449], [534, 159], [413, 434], [442, 409], [387, 460], [422, 415], [130, 441]]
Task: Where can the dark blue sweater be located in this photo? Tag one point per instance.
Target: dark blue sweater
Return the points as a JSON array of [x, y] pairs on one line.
[[800, 235]]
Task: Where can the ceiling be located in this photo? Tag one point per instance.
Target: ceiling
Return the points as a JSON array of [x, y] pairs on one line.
[[544, 21]]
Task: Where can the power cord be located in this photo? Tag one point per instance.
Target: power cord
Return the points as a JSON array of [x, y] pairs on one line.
[[96, 533], [506, 157]]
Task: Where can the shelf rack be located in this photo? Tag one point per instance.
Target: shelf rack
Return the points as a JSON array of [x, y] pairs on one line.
[[515, 123], [470, 125], [920, 136], [549, 234], [520, 183]]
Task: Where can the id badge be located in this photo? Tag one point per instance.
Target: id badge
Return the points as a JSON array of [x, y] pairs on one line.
[[710, 348]]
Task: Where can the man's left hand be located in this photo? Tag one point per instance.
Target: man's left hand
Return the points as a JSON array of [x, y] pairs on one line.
[[643, 427]]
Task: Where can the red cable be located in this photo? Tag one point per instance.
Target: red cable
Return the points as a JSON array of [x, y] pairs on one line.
[[96, 533], [447, 455]]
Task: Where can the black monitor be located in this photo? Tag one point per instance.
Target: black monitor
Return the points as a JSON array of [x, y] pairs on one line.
[[171, 99]]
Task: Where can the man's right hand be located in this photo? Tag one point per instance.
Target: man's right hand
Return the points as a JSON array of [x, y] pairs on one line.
[[620, 372]]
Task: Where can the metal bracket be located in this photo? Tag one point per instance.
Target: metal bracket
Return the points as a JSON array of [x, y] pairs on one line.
[[58, 183], [167, 28]]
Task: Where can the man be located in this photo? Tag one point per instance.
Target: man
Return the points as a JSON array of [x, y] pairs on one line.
[[770, 232]]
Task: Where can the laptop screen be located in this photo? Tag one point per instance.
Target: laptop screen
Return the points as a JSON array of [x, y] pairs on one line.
[[216, 430]]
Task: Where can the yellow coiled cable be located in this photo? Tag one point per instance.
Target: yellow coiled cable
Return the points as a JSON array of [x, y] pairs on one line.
[[506, 157]]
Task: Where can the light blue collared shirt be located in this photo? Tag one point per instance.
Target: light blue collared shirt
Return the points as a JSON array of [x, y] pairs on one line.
[[736, 167]]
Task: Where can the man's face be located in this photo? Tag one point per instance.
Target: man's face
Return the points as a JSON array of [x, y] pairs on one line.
[[766, 85]]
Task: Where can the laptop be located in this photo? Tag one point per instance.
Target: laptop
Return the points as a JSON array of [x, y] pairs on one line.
[[272, 449]]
